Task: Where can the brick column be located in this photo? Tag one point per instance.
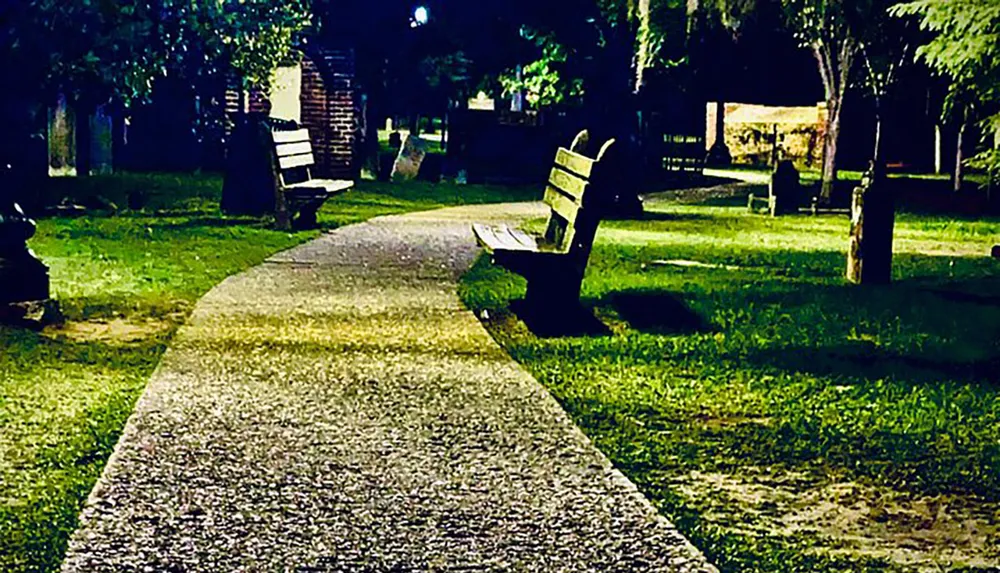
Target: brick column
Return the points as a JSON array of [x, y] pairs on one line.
[[329, 111]]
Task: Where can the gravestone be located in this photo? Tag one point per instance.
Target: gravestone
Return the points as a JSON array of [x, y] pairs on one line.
[[395, 140], [62, 138], [869, 256], [411, 156], [784, 190], [101, 141]]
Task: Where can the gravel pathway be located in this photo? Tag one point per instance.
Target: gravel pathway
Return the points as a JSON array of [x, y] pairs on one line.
[[338, 409]]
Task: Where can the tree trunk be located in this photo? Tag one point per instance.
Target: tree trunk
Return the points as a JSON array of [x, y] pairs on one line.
[[610, 105], [718, 154], [835, 59], [370, 146], [957, 179], [938, 158], [444, 128], [830, 139], [643, 47], [877, 152], [878, 140], [869, 255]]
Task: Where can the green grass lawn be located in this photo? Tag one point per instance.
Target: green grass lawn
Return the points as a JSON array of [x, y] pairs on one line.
[[126, 283], [784, 420], [813, 175]]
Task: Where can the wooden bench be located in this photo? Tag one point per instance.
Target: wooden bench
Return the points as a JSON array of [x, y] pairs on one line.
[[578, 191], [296, 190]]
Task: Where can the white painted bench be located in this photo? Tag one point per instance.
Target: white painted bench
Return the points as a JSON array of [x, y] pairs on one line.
[[297, 191]]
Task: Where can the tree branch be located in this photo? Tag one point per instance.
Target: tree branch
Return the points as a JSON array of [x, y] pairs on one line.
[[825, 72]]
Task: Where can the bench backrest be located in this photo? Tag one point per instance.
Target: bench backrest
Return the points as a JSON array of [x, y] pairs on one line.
[[577, 191], [294, 153]]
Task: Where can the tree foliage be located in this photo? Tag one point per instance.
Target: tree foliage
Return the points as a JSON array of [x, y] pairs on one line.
[[544, 81], [835, 31], [100, 48], [966, 47]]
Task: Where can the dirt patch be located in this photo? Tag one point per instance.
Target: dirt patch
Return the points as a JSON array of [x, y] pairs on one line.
[[111, 331], [918, 533]]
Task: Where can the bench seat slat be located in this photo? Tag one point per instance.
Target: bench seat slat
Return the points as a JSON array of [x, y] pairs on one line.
[[297, 136], [524, 239], [570, 185], [489, 237], [504, 238], [328, 185], [297, 148], [292, 161], [574, 162], [564, 206]]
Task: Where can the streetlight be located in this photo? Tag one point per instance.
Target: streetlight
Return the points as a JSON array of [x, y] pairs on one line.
[[420, 16]]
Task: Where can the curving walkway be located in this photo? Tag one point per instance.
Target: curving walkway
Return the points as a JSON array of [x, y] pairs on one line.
[[338, 409]]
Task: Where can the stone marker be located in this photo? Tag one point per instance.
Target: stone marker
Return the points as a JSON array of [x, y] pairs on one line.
[[101, 141], [869, 257], [784, 191], [411, 155], [61, 138], [24, 280], [395, 139]]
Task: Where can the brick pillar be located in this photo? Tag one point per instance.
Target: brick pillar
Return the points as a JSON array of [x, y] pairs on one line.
[[329, 111], [257, 99], [313, 105]]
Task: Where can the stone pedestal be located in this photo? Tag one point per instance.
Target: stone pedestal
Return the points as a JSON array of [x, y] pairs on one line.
[[869, 257], [24, 280], [784, 190], [22, 277]]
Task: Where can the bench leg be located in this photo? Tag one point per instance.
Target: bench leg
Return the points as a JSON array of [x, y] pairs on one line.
[[307, 217], [551, 294]]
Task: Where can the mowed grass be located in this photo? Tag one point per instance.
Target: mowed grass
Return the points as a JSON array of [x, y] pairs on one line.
[[787, 421], [125, 283]]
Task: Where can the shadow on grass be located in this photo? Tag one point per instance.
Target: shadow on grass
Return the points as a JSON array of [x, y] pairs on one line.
[[215, 222], [570, 320], [661, 216], [656, 311], [978, 292], [864, 360], [736, 200]]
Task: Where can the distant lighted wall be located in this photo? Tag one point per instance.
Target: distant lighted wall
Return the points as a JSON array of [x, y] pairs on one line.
[[750, 128], [286, 91]]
